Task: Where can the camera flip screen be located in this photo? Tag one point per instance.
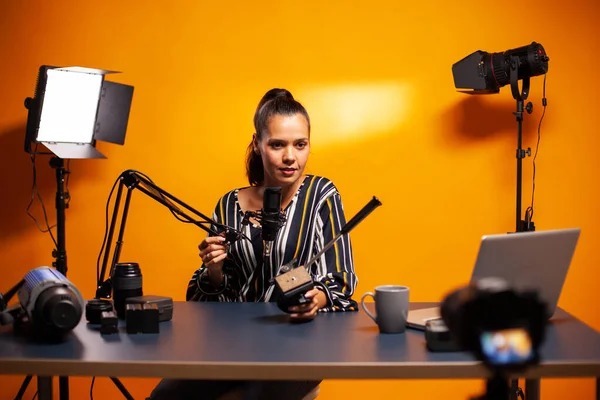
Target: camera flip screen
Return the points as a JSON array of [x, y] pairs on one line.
[[507, 346]]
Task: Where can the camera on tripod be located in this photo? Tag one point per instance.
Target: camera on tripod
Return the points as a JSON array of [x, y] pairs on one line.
[[501, 325]]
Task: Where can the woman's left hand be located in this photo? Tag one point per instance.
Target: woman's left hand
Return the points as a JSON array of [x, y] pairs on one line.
[[308, 311]]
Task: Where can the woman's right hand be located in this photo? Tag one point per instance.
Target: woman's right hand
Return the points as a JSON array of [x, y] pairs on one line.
[[213, 252]]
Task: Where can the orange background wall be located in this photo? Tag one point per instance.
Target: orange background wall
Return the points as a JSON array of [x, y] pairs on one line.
[[375, 77]]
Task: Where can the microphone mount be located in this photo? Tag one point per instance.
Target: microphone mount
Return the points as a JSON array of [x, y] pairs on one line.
[[270, 222], [278, 220]]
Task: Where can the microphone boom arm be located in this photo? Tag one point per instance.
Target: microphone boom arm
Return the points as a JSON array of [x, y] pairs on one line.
[[132, 179]]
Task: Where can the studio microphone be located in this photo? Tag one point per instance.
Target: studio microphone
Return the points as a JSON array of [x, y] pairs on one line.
[[271, 218]]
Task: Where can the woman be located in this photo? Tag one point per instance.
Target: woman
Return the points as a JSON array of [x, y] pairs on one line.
[[314, 214]]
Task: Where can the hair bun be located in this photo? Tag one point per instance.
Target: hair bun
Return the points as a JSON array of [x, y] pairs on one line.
[[277, 92], [272, 95]]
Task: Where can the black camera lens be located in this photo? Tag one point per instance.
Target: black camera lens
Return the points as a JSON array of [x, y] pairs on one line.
[[127, 282]]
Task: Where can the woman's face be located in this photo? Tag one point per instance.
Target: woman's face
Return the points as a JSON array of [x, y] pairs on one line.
[[284, 149]]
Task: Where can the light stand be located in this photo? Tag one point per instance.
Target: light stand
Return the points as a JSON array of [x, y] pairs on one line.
[[72, 108], [482, 72], [520, 97], [60, 253], [527, 224], [60, 256]]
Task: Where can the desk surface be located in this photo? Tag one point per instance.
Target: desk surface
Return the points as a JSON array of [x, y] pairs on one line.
[[256, 341]]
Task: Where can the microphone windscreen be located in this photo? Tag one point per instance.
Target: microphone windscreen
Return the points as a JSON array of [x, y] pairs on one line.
[[272, 200], [270, 217]]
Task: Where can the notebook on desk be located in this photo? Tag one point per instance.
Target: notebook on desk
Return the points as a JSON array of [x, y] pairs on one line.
[[536, 260]]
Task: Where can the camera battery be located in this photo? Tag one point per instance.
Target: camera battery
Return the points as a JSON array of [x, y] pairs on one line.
[[164, 304], [438, 337], [109, 323], [141, 318]]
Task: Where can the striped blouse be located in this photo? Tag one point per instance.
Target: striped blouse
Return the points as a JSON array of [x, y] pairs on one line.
[[313, 218]]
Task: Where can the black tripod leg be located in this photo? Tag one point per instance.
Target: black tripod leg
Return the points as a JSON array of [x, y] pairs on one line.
[[514, 389], [63, 385], [532, 389], [23, 388], [122, 388], [44, 387]]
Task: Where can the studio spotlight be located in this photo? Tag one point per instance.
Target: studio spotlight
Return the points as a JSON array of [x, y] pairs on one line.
[[485, 73], [482, 72]]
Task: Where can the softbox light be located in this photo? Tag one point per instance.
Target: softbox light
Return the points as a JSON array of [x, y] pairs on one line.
[[73, 107]]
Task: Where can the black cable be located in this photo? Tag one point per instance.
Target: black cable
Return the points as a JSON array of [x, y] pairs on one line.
[[34, 396], [165, 199], [529, 211], [105, 230], [35, 192], [92, 388], [173, 205]]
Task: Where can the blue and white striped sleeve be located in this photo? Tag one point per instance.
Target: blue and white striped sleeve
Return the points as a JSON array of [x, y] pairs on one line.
[[334, 271], [199, 287]]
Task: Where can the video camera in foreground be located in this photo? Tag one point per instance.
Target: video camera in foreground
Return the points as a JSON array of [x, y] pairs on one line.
[[502, 326]]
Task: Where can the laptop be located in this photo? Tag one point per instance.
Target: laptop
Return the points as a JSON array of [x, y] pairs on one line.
[[536, 260]]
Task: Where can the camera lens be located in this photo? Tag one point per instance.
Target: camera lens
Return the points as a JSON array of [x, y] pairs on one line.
[[127, 282]]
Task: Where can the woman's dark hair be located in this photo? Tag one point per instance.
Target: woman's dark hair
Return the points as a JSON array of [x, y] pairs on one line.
[[274, 102]]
